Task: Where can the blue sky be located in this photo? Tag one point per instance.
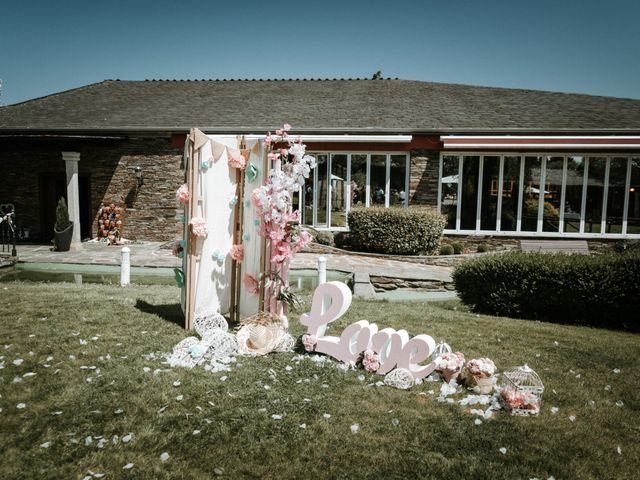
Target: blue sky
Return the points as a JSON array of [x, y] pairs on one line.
[[574, 46]]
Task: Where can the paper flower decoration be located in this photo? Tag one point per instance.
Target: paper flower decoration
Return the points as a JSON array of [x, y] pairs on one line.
[[245, 237], [237, 252], [251, 173], [217, 256], [309, 342], [204, 165], [250, 283], [183, 194], [236, 160], [371, 361], [199, 227], [233, 201]]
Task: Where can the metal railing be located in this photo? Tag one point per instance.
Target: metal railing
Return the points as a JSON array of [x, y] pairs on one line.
[[8, 230]]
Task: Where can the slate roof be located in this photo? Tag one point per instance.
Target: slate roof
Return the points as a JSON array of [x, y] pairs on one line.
[[319, 106]]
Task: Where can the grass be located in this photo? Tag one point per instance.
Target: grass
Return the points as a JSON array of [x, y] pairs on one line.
[[403, 434]]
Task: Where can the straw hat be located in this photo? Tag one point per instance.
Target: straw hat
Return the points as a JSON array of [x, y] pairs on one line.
[[261, 334]]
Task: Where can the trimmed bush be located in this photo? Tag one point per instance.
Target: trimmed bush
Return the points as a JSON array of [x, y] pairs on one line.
[[602, 290], [458, 248], [396, 231], [483, 248], [446, 249]]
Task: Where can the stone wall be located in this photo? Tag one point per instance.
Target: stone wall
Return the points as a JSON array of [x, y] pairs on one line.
[[423, 177], [108, 165]]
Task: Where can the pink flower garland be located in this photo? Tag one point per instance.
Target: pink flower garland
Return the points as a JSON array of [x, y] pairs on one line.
[[183, 194], [237, 161], [199, 227]]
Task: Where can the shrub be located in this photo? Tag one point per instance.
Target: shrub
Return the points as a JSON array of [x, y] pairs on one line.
[[446, 249], [483, 248], [602, 290], [341, 239], [398, 231], [62, 216], [458, 248], [323, 237]]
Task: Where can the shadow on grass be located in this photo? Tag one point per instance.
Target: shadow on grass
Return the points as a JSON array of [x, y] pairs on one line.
[[171, 312]]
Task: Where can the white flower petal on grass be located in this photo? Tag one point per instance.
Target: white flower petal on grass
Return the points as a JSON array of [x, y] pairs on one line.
[[98, 475], [83, 342], [395, 422], [554, 410], [146, 369], [118, 411], [503, 450], [177, 383], [127, 438], [276, 417], [619, 403], [21, 406], [101, 443], [572, 418], [303, 425], [607, 388], [162, 409], [196, 432], [326, 415], [179, 398], [128, 466], [47, 444], [17, 362], [164, 456], [88, 440], [619, 450], [478, 421], [355, 428], [616, 370]]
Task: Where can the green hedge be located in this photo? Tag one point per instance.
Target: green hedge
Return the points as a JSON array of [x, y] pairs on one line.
[[397, 231], [601, 290]]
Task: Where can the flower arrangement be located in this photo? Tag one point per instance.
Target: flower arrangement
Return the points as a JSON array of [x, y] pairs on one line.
[[237, 160], [478, 374], [450, 365], [309, 342], [182, 195], [237, 252], [370, 361], [110, 223], [199, 227]]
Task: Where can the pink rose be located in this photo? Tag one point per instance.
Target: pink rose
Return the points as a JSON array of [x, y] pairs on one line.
[[250, 283], [286, 127], [237, 252], [371, 361], [309, 342], [199, 227], [183, 194]]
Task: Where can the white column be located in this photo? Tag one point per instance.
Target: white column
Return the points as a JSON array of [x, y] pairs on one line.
[[71, 160]]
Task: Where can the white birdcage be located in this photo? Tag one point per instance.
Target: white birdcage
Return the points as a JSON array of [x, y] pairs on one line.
[[522, 390], [441, 348]]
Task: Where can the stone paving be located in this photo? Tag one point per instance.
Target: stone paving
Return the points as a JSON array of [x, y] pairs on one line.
[[150, 254]]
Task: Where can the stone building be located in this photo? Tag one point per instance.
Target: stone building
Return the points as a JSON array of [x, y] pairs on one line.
[[497, 161]]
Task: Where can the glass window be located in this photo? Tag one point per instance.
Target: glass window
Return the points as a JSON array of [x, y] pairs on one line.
[[321, 189], [531, 194], [510, 193], [339, 190], [469, 195], [616, 192], [595, 195], [397, 180], [378, 181], [552, 194], [633, 212], [489, 204], [358, 179], [449, 189], [573, 194]]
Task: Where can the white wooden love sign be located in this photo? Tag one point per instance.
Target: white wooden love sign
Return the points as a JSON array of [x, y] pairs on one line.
[[394, 348]]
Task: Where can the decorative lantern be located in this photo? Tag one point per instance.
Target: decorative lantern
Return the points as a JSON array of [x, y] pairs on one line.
[[522, 391], [440, 349]]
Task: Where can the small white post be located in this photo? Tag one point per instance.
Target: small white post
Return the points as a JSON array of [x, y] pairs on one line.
[[125, 267], [322, 270]]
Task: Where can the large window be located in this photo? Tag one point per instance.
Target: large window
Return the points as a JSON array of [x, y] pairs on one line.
[[532, 194], [343, 180]]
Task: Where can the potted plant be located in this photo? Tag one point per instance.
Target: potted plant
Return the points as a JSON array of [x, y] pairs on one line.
[[63, 228]]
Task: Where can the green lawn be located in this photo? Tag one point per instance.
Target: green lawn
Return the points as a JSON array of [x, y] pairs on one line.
[[224, 420]]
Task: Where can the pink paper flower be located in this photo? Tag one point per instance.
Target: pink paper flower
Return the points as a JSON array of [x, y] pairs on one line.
[[371, 361], [237, 252], [309, 342], [236, 160], [199, 227], [183, 194], [250, 283], [286, 127]]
